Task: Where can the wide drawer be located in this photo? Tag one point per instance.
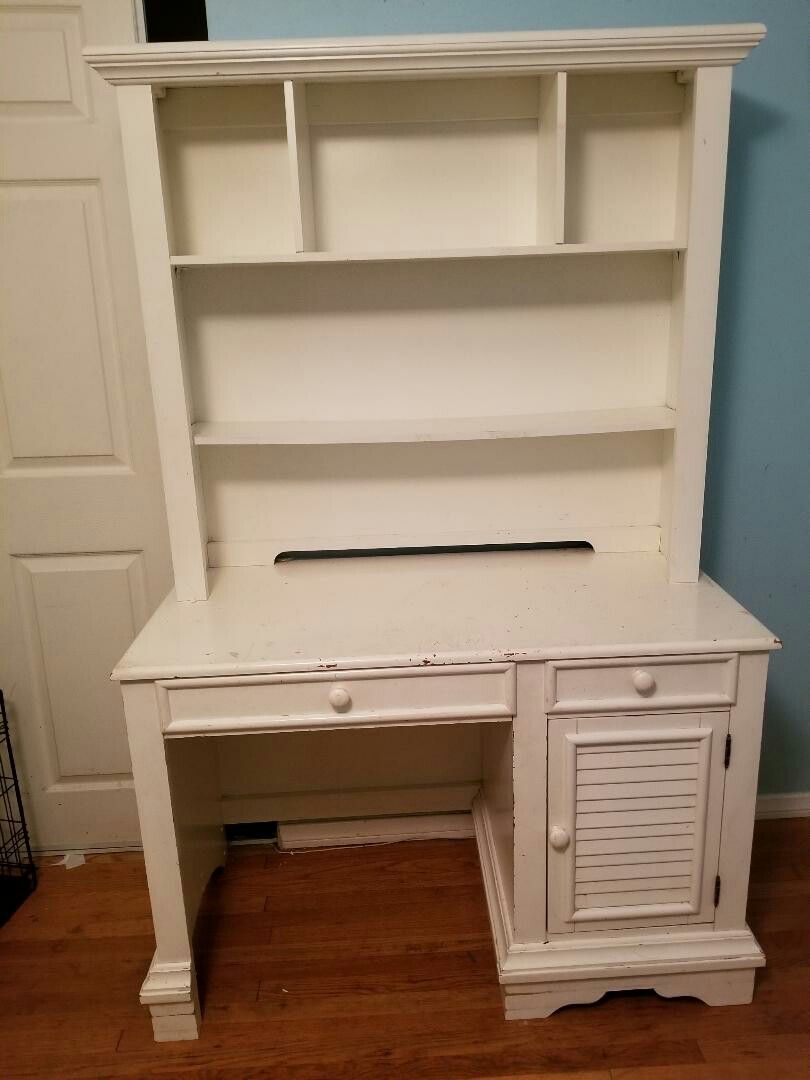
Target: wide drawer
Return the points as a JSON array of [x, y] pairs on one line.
[[314, 701], [644, 683]]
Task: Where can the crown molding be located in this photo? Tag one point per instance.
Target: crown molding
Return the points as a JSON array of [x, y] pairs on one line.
[[194, 63]]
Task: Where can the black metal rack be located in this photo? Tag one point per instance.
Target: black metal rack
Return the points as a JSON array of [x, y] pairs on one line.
[[18, 875]]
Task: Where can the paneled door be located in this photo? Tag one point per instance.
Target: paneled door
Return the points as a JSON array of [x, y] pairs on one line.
[[635, 807], [83, 549]]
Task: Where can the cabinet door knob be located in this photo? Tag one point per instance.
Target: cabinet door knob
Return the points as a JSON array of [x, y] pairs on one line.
[[340, 699], [558, 838], [643, 681]]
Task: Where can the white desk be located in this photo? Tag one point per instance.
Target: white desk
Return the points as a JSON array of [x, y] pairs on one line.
[[531, 646], [457, 289]]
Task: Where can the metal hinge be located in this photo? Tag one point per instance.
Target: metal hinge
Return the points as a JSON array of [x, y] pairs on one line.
[[717, 890], [727, 757]]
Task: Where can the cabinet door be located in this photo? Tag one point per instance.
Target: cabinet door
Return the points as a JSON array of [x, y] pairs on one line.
[[635, 804]]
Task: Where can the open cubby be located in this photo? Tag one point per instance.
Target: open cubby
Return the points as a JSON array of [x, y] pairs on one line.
[[429, 164], [625, 134], [602, 488], [226, 175], [428, 343]]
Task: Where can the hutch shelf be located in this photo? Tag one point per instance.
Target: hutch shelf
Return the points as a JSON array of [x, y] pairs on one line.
[[440, 292]]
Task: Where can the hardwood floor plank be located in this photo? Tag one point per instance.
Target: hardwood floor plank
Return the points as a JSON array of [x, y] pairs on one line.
[[760, 1048], [738, 1070]]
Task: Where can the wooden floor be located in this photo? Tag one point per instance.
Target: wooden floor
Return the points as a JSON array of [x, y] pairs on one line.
[[372, 963]]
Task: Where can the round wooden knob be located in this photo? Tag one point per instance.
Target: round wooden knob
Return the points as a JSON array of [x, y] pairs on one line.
[[643, 681], [559, 838], [340, 699]]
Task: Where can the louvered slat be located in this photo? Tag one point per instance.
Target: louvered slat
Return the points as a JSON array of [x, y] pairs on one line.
[[628, 858], [677, 828], [608, 759], [633, 899], [586, 791], [620, 845], [619, 872], [647, 884], [635, 774], [650, 803], [632, 748], [604, 818]]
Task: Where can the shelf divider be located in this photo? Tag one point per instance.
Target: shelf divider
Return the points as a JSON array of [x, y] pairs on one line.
[[442, 429], [300, 158], [552, 113]]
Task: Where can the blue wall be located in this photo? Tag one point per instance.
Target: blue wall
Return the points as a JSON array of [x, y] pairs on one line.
[[756, 539]]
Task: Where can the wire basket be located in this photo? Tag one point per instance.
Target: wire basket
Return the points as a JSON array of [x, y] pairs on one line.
[[18, 875]]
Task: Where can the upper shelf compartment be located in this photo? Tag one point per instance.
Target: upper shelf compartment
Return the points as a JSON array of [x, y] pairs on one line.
[[432, 164], [626, 136], [426, 168], [225, 169]]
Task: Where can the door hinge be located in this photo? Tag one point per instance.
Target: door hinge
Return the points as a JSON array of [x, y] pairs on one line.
[[717, 890], [727, 756]]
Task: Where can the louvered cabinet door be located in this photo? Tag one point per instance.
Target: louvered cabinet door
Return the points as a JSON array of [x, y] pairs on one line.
[[635, 806]]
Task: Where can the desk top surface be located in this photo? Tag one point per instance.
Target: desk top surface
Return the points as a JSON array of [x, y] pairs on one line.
[[344, 614]]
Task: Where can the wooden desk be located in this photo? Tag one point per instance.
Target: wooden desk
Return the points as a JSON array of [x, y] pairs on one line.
[[600, 649], [442, 291]]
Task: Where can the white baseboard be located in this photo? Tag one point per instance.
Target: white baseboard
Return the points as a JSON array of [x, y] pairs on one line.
[[795, 804], [100, 849], [352, 803], [296, 836]]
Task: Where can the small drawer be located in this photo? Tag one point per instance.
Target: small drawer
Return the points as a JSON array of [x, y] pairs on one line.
[[642, 684], [319, 700]]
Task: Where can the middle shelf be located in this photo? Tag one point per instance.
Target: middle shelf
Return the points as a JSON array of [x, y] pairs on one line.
[[440, 429], [417, 255]]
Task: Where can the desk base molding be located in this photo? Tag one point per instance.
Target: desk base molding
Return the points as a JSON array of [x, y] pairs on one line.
[[170, 992], [536, 979], [538, 1001]]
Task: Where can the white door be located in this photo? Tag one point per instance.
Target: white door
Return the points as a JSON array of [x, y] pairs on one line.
[[83, 546], [635, 807]]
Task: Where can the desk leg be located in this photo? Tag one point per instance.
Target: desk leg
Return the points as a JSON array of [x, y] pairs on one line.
[[177, 790]]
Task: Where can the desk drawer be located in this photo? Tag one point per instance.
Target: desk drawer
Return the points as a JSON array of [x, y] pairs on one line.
[[643, 683], [314, 701]]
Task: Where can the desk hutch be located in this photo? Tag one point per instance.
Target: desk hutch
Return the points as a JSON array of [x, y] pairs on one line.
[[451, 292]]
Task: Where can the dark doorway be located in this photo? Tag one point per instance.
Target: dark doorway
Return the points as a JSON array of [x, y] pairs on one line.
[[175, 22]]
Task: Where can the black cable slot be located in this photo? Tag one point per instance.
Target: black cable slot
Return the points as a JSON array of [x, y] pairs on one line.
[[428, 549]]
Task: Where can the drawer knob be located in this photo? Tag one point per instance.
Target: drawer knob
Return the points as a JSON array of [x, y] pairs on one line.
[[340, 699], [559, 838], [643, 681]]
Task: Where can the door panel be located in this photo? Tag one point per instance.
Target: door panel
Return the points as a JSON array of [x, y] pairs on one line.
[[60, 368], [634, 819], [83, 549]]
